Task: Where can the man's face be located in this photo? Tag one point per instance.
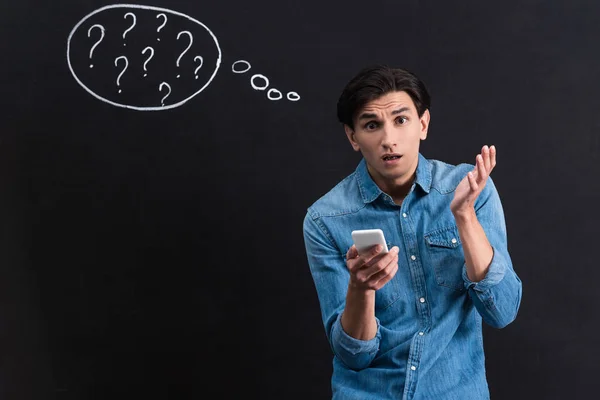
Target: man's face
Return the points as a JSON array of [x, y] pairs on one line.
[[387, 131]]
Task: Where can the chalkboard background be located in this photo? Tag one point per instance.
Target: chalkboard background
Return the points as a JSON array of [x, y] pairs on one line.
[[159, 254]]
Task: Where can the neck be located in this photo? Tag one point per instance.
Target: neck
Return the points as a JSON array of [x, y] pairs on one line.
[[397, 189], [398, 193]]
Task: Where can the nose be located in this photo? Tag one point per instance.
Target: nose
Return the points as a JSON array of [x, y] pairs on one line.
[[389, 139]]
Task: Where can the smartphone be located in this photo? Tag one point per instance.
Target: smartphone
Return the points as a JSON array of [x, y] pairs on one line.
[[364, 239]]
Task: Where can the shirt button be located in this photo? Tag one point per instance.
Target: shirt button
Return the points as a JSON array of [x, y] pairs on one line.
[[453, 240], [413, 367], [413, 257], [404, 215], [422, 299], [421, 333]]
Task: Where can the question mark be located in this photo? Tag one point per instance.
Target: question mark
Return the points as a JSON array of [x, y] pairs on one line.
[[185, 51], [99, 40], [164, 23], [201, 62], [160, 90], [124, 69], [131, 27], [149, 58]]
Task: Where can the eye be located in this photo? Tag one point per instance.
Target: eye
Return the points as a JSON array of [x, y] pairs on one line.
[[371, 125], [401, 120]]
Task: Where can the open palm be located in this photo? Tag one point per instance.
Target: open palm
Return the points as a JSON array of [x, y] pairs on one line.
[[469, 188]]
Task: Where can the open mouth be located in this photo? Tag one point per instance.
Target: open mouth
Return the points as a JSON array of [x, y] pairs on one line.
[[390, 157]]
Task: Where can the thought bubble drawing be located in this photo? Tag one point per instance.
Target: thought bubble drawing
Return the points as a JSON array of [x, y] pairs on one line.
[[136, 91], [187, 55], [293, 96], [257, 87], [274, 94], [240, 71]]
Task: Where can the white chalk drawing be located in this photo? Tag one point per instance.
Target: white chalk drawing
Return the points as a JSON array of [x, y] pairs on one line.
[[123, 71], [129, 14], [133, 92], [161, 15], [293, 96], [235, 71], [200, 66], [274, 94], [186, 49], [99, 40], [160, 90], [98, 83], [149, 58], [259, 76]]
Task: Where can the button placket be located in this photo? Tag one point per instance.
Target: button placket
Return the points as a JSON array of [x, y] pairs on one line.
[[419, 284]]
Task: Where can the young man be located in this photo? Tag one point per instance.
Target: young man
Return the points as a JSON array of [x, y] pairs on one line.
[[408, 324]]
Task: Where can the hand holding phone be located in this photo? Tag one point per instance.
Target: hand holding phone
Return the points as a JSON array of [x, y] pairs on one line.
[[369, 271]]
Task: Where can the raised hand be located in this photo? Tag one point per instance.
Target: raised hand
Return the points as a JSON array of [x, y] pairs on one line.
[[469, 188]]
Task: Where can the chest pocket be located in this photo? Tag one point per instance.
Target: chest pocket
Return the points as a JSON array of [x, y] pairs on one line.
[[446, 255]]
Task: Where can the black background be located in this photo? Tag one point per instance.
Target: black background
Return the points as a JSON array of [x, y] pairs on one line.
[[160, 254]]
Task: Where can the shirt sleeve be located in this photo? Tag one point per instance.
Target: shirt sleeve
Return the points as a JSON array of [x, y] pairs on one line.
[[331, 277], [497, 297]]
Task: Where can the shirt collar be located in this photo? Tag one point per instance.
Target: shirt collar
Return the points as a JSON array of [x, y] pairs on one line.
[[369, 189]]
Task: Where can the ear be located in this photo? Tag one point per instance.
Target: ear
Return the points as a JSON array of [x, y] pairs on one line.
[[351, 139], [424, 120]]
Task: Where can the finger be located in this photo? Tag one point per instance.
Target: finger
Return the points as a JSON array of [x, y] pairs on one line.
[[492, 157], [482, 172], [378, 265], [351, 253], [386, 275], [353, 261], [474, 170], [472, 182], [382, 269], [485, 153], [370, 254]]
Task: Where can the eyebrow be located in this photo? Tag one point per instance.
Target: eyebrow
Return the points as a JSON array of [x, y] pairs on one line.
[[370, 115]]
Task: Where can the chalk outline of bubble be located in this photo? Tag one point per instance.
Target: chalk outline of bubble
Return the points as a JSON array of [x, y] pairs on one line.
[[293, 94], [259, 76], [274, 98], [240, 72], [142, 7]]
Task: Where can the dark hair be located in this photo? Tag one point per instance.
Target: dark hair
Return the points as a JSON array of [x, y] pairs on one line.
[[375, 81]]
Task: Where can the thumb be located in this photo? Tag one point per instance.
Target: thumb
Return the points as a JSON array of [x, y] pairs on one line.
[[352, 253]]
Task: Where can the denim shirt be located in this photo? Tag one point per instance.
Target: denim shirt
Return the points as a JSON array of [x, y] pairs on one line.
[[429, 341]]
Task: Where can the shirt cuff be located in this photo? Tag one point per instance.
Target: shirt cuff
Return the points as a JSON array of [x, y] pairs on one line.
[[352, 345], [494, 275]]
